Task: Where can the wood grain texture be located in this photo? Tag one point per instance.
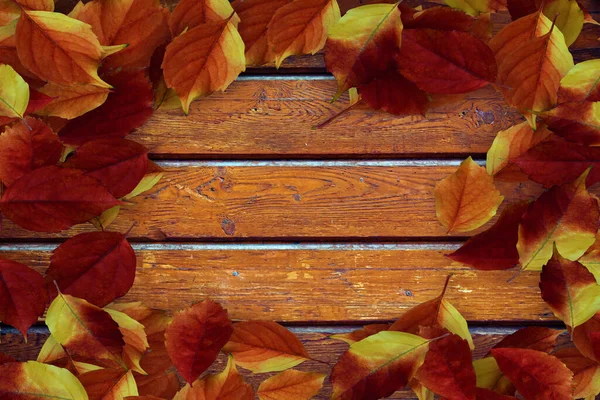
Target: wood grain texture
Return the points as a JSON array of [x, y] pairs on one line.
[[344, 200], [316, 283], [316, 340]]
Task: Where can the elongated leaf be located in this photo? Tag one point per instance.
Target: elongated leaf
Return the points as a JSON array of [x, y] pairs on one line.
[[577, 121], [23, 296], [466, 199], [26, 146], [377, 366], [582, 82], [72, 101], [360, 334], [265, 346], [135, 338], [58, 383], [195, 337], [51, 199], [533, 337], [291, 384], [301, 27], [586, 372], [153, 175], [14, 93], [565, 215], [108, 384], [191, 13]]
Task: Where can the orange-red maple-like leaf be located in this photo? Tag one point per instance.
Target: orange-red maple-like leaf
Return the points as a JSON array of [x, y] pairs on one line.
[[189, 14], [466, 199], [195, 337], [26, 146], [265, 346], [203, 60], [577, 121], [496, 247], [533, 337], [120, 164], [567, 216], [96, 266], [301, 27], [535, 374], [105, 384], [586, 372], [291, 384], [51, 199], [23, 296]]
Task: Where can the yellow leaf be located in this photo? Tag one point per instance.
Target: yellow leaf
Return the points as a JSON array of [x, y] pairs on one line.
[[134, 335], [471, 7], [153, 175], [106, 218], [569, 18], [51, 351], [490, 377], [14, 93], [582, 82], [72, 101]]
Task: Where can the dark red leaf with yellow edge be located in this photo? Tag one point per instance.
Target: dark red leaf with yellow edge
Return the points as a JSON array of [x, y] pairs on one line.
[[393, 93], [360, 334], [587, 338], [586, 372], [108, 383], [556, 161], [565, 216], [96, 266], [577, 121], [448, 369], [120, 164], [377, 366], [26, 146], [494, 248], [265, 346], [125, 109], [23, 295], [195, 337], [533, 337], [51, 199], [190, 13], [446, 62], [487, 394], [535, 374]]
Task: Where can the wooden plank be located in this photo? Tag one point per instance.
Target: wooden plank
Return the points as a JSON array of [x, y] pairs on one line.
[[319, 283], [287, 200], [316, 340]]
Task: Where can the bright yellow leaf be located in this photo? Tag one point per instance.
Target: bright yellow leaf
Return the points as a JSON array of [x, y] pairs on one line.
[[14, 93]]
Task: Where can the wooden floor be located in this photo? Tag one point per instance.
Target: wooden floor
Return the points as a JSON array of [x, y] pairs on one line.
[[320, 229]]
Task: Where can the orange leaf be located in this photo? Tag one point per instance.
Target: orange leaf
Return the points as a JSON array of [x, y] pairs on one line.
[[265, 346], [255, 16], [586, 372], [195, 337], [577, 121], [72, 52], [203, 60], [487, 394], [301, 27], [8, 49], [108, 384], [134, 335], [587, 338], [72, 101], [141, 24], [535, 374], [360, 334], [582, 82], [10, 10], [189, 14], [228, 384], [467, 199], [291, 384]]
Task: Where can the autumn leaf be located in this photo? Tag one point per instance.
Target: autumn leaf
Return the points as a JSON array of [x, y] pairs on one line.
[[586, 372], [446, 62], [72, 101], [153, 175], [565, 215], [141, 24], [291, 384], [120, 164], [189, 14], [4, 359], [25, 146], [9, 11], [14, 93], [72, 52], [128, 107], [195, 337], [51, 199], [37, 101], [512, 143], [134, 335], [535, 374], [85, 330], [255, 16], [203, 60], [448, 369], [495, 248], [467, 199], [361, 46], [265, 346], [228, 384], [377, 366], [569, 18], [58, 383], [591, 259], [441, 18], [23, 296], [108, 384], [360, 334], [486, 394], [582, 82], [8, 48], [577, 121], [489, 377], [537, 338], [471, 7], [587, 338], [421, 391]]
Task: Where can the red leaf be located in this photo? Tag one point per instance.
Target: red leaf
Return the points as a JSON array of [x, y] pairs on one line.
[[533, 337], [96, 266], [51, 199], [26, 146], [23, 296], [587, 338], [486, 394], [446, 62], [119, 164], [196, 336], [440, 18], [125, 109], [5, 359]]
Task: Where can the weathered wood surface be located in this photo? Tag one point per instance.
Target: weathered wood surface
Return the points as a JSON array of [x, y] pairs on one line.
[[315, 282], [337, 200], [316, 339]]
